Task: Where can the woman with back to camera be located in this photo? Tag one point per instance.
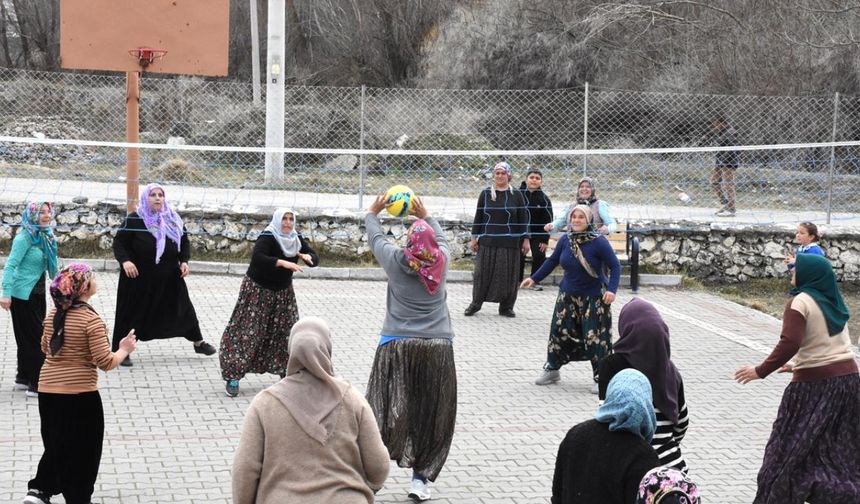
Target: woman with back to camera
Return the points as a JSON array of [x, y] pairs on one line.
[[256, 339], [153, 251], [413, 382], [581, 327], [812, 454], [33, 253]]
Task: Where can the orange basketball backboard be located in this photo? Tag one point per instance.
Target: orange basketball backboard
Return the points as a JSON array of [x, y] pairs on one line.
[[100, 34]]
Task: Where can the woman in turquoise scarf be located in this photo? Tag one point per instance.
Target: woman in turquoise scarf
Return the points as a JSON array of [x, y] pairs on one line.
[[34, 252]]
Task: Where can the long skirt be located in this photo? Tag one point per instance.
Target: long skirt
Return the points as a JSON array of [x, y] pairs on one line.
[[256, 340], [27, 319], [495, 277], [413, 393], [72, 433], [813, 454], [581, 329]]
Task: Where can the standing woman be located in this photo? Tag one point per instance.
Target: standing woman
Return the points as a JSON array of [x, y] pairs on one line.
[[76, 343], [501, 222], [812, 453], [412, 387], [256, 340], [153, 251], [581, 327], [34, 252]]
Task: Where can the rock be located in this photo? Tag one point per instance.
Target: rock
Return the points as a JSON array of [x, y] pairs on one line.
[[342, 163], [773, 250], [80, 200], [849, 257], [670, 245], [70, 217]]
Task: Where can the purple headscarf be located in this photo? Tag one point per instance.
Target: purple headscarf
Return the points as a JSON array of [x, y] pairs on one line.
[[164, 224], [643, 339]]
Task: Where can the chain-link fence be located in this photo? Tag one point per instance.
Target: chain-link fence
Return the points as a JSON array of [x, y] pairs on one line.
[[85, 106]]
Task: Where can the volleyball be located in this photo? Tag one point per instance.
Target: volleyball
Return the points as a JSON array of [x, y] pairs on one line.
[[398, 200]]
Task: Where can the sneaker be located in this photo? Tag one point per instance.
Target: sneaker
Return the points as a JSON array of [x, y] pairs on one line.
[[720, 210], [37, 497], [20, 386], [232, 388], [419, 491], [127, 362], [548, 376], [594, 389], [31, 393], [725, 212], [536, 287], [204, 348]]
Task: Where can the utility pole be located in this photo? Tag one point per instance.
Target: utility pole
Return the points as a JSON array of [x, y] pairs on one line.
[[275, 91], [255, 53]]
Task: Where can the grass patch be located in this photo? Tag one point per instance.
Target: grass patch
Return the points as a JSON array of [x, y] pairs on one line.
[[769, 295]]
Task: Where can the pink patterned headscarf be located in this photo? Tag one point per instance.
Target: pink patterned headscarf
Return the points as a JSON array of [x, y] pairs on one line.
[[424, 255], [164, 224]]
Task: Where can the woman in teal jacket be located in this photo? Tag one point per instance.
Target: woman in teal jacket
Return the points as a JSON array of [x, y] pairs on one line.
[[34, 252]]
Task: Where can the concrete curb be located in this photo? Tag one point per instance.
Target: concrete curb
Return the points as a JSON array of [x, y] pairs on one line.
[[376, 274]]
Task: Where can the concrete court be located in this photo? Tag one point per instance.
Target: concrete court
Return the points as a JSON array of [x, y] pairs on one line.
[[171, 431]]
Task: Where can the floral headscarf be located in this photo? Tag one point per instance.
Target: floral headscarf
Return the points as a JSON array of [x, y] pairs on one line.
[[66, 289], [505, 167], [41, 236], [424, 255], [667, 485], [579, 238], [289, 243], [163, 224]]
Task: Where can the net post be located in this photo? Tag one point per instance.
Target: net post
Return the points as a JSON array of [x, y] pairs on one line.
[[362, 167], [132, 135], [585, 133], [255, 54], [832, 155]]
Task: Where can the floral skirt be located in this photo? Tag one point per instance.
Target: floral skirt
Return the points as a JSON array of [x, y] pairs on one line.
[[813, 454], [581, 329], [257, 337], [413, 393]]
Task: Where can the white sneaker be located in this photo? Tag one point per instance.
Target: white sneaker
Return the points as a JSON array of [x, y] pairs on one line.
[[419, 491], [548, 376]]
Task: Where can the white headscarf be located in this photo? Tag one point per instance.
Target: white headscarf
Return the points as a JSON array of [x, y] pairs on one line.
[[290, 243]]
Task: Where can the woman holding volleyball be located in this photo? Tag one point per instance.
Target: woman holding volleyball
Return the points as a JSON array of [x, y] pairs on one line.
[[412, 387]]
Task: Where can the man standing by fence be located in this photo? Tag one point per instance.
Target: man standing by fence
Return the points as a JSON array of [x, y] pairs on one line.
[[725, 165]]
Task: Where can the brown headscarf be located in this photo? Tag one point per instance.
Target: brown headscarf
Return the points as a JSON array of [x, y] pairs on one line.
[[311, 392], [643, 339]]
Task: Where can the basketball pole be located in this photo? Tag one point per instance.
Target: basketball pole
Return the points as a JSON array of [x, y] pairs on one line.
[[275, 92], [132, 135]]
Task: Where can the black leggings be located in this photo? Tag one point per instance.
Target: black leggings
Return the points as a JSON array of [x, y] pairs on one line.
[[73, 428]]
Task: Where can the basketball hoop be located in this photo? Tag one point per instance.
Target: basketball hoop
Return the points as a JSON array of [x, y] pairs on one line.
[[146, 55]]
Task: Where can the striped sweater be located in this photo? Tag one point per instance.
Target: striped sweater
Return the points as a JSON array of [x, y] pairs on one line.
[[73, 369]]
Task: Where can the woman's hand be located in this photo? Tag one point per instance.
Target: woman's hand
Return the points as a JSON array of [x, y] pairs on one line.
[[543, 246], [746, 374], [526, 246], [183, 270], [5, 303], [526, 283], [418, 208], [548, 227], [788, 367], [377, 205], [473, 244], [603, 230], [288, 265], [788, 259], [307, 259], [129, 343], [608, 297], [130, 269]]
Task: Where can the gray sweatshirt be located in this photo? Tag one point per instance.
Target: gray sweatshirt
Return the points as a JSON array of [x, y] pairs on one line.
[[410, 310]]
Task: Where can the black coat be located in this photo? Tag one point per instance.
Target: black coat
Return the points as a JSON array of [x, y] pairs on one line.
[[597, 466], [500, 223], [539, 208], [267, 251]]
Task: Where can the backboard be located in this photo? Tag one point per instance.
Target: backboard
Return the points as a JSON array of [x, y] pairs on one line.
[[107, 35]]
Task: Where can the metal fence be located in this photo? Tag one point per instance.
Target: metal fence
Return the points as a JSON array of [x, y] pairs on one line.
[[195, 111]]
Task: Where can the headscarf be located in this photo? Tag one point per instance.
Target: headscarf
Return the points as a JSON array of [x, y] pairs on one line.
[[814, 276], [68, 286], [667, 485], [643, 339], [163, 224], [628, 405], [41, 236], [505, 167], [424, 255], [311, 392], [579, 238], [289, 242], [591, 199]]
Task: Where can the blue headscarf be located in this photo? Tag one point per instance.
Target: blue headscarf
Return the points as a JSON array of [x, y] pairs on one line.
[[628, 405], [41, 236]]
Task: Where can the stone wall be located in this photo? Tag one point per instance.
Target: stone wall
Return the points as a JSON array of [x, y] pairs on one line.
[[738, 253], [705, 251]]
